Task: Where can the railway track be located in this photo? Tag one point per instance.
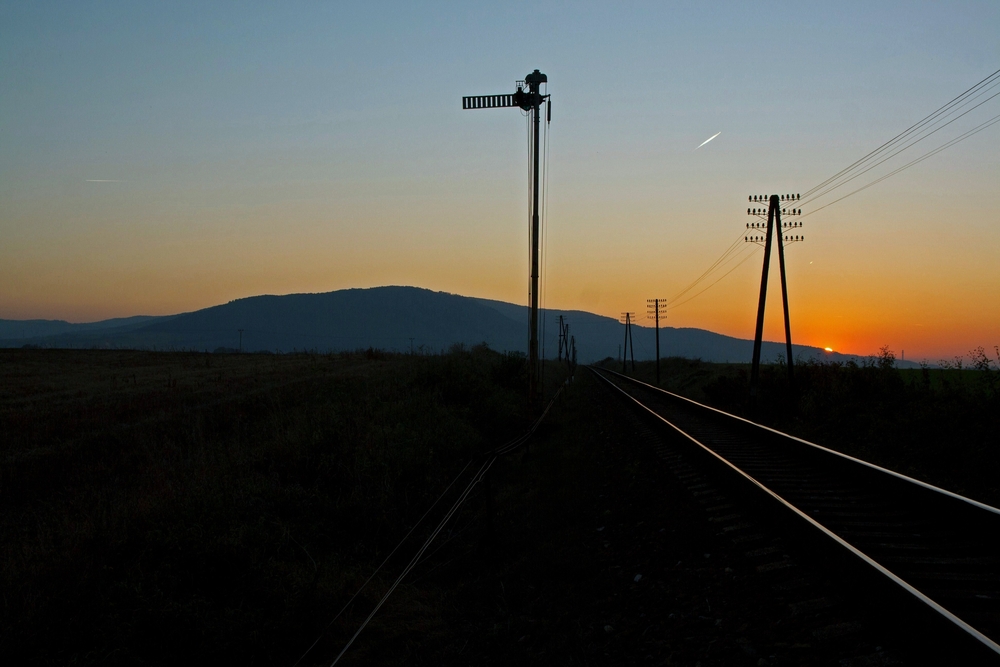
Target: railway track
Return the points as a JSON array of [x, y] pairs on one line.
[[926, 556]]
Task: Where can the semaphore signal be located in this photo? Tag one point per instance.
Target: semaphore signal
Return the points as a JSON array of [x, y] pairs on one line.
[[527, 97]]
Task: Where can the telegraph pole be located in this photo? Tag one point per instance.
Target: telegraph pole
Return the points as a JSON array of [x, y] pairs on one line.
[[654, 307], [626, 319], [528, 97], [774, 211], [241, 339], [562, 338]]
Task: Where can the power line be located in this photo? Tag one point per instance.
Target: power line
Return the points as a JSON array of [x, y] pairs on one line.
[[722, 259], [902, 134], [897, 152], [975, 130], [753, 252]]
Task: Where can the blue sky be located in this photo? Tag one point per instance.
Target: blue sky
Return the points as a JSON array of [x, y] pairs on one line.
[[269, 148]]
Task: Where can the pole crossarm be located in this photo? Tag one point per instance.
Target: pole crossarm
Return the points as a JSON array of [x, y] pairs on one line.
[[785, 211]]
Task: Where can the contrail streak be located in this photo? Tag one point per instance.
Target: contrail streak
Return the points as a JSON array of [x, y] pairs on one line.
[[708, 140]]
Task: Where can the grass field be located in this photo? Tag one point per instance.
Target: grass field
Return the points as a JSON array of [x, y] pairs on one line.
[[160, 506], [168, 508]]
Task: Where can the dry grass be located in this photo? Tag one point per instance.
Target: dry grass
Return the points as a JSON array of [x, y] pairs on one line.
[[166, 507]]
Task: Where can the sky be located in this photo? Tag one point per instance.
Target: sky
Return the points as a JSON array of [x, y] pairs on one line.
[[163, 157]]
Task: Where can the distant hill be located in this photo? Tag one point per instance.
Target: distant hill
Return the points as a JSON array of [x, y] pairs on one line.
[[390, 318], [24, 329]]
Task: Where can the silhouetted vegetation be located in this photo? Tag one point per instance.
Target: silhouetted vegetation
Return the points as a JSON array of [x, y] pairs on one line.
[[935, 424], [173, 508]]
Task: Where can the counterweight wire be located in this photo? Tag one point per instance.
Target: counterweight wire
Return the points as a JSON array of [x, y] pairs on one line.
[[486, 463], [384, 561], [545, 225]]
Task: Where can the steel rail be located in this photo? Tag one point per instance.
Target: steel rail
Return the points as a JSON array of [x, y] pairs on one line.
[[825, 450], [985, 643]]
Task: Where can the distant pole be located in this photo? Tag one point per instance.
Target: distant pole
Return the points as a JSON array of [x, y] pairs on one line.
[[657, 343], [626, 319], [568, 339], [653, 307], [241, 339], [631, 346], [625, 355], [562, 336], [411, 345]]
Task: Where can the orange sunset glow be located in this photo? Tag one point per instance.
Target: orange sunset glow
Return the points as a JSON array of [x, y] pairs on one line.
[[270, 183]]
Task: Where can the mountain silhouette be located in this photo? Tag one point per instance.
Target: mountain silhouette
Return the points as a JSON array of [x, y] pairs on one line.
[[389, 318]]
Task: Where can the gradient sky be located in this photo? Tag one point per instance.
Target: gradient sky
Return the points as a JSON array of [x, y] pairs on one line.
[[163, 157]]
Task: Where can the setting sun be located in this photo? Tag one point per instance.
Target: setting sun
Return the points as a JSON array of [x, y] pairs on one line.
[[828, 349]]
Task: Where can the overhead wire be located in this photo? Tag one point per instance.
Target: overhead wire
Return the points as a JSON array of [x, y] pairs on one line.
[[722, 259], [976, 130], [896, 152], [989, 79], [738, 265]]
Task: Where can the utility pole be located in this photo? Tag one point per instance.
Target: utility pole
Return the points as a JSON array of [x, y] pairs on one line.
[[528, 97], [241, 339], [626, 319], [411, 345], [654, 307], [774, 211], [569, 340], [562, 338]]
